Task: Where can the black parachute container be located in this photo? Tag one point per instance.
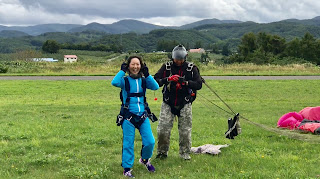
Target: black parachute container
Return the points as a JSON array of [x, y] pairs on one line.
[[234, 128]]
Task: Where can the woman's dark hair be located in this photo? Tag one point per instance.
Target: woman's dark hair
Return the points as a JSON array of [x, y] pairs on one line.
[[138, 57]]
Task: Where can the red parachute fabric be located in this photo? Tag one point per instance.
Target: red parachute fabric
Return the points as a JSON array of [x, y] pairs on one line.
[[311, 113], [308, 119], [311, 127]]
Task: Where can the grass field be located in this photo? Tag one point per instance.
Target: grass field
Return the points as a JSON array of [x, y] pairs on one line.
[[66, 129], [103, 63]]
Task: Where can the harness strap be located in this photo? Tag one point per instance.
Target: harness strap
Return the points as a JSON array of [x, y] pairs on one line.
[[129, 95], [189, 68], [125, 114]]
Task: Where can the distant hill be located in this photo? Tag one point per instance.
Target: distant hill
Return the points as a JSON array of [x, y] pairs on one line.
[[40, 29], [314, 21], [130, 25], [12, 33], [208, 21], [90, 27], [286, 29], [120, 27], [123, 26], [136, 35]]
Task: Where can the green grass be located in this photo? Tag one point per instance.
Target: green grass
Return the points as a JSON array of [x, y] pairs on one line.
[[66, 129], [97, 63]]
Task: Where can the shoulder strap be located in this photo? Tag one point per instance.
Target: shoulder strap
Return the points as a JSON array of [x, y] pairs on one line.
[[126, 84], [129, 94], [127, 88], [168, 69], [190, 66], [144, 85]]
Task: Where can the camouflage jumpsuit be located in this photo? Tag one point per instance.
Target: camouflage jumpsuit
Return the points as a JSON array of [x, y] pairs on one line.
[[184, 126]]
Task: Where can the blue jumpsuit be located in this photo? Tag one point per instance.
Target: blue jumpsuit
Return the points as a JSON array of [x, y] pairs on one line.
[[136, 106]]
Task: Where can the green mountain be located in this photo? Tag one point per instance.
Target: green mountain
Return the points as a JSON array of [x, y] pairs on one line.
[[43, 28], [123, 26], [12, 33], [136, 35], [3, 28], [129, 25], [314, 21], [91, 27], [288, 30], [208, 21]]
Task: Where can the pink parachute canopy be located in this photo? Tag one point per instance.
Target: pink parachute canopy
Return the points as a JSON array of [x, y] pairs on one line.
[[308, 119], [290, 120], [311, 113]]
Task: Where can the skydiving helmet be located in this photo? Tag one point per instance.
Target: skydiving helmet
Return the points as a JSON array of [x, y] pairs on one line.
[[179, 53]]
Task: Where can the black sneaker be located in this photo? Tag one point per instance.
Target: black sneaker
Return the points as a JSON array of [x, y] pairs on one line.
[[185, 156], [161, 156]]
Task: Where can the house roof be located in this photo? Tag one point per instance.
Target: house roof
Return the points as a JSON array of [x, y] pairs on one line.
[[70, 56]]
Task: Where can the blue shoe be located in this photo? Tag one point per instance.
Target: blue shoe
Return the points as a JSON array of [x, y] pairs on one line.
[[128, 174], [148, 165]]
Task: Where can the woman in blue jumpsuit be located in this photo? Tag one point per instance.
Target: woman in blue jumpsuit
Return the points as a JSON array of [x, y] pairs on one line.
[[136, 108]]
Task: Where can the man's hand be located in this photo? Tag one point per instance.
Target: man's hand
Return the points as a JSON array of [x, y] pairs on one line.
[[174, 78]]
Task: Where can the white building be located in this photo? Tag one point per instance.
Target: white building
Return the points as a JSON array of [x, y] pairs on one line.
[[43, 59], [70, 58]]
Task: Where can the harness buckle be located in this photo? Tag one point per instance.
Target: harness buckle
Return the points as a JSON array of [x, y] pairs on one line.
[[152, 117], [119, 120], [168, 66]]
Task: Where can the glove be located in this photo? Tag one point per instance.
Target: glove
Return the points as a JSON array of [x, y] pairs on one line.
[[178, 86], [174, 78], [145, 71], [124, 67]]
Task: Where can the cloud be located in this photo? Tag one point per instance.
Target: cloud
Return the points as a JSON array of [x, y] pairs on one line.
[[164, 12]]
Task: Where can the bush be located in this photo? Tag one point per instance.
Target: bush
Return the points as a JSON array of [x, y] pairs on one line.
[[51, 46], [3, 68]]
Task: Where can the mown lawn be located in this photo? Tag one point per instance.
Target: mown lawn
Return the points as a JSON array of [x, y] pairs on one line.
[[66, 129]]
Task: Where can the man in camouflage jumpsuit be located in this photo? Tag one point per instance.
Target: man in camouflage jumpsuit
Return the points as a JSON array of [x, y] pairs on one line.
[[180, 79]]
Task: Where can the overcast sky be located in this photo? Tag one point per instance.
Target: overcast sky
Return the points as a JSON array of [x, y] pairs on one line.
[[160, 12]]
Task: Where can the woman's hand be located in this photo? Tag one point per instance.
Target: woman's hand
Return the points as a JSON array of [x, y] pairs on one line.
[[145, 71], [124, 67]]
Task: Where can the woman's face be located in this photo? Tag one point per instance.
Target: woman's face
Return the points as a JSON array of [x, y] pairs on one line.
[[134, 66]]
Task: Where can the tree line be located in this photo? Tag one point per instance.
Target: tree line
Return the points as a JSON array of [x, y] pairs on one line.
[[52, 46], [263, 48], [260, 48]]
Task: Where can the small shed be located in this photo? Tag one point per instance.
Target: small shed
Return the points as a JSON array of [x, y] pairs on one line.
[[197, 50], [70, 58]]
